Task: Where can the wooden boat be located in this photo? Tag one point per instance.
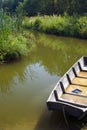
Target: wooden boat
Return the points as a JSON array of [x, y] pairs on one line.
[[70, 93]]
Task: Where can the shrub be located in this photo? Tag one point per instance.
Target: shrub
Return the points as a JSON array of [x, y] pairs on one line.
[[74, 26], [13, 43]]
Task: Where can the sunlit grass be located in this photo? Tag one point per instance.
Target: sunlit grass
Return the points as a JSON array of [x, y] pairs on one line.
[[74, 26]]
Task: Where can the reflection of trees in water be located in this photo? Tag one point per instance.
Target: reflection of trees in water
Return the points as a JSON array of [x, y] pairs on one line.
[[12, 74], [16, 73], [56, 54], [54, 61]]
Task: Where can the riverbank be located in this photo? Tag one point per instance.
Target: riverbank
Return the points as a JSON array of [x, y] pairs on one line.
[[73, 26], [14, 42]]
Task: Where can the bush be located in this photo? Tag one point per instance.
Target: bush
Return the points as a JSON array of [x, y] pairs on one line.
[[83, 27], [73, 26], [13, 43]]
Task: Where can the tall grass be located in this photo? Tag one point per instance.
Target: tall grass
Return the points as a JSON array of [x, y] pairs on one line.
[[13, 43], [60, 25]]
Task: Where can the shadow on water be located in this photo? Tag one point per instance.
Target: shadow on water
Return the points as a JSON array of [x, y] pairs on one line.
[[56, 121]]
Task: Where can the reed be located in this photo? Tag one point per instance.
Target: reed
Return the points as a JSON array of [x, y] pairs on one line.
[[74, 26], [13, 42]]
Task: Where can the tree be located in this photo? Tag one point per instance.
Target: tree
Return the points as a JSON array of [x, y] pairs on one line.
[[10, 5], [49, 7], [32, 7]]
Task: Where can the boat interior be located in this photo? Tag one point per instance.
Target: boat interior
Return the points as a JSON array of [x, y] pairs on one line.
[[72, 87]]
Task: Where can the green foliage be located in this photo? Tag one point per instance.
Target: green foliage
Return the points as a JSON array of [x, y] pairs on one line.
[[49, 7], [9, 5], [83, 26], [13, 43], [45, 7], [60, 25], [13, 48]]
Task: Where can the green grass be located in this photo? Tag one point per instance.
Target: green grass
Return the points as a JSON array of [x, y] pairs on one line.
[[60, 25]]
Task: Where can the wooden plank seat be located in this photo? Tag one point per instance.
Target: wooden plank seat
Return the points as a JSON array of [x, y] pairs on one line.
[[74, 99], [71, 99], [70, 96], [81, 90], [82, 74], [79, 81]]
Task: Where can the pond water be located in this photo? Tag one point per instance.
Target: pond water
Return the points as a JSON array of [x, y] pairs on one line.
[[25, 85]]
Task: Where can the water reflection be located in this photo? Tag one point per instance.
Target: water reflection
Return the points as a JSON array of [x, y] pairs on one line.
[[26, 84], [21, 107], [57, 54], [30, 72]]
